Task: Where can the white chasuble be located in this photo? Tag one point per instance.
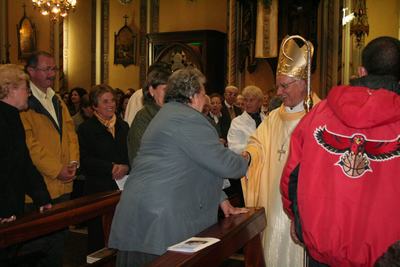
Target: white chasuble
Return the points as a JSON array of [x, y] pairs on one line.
[[269, 149]]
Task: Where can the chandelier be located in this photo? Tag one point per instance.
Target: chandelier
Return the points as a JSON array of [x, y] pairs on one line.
[[56, 9]]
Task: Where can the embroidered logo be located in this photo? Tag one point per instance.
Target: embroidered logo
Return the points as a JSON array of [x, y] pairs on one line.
[[356, 151]]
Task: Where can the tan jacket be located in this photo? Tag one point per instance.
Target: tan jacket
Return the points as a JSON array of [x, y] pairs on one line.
[[48, 149]]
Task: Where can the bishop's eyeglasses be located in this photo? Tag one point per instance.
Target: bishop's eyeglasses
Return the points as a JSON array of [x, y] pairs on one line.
[[286, 85]]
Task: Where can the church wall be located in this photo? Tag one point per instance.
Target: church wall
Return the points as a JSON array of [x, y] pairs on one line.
[[77, 48], [383, 18], [120, 76], [42, 24], [262, 77], [185, 15]]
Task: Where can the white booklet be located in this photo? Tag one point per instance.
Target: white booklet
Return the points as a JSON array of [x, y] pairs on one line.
[[100, 254], [194, 244], [121, 182]]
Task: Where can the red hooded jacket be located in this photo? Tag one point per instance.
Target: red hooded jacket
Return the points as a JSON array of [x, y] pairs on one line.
[[341, 183]]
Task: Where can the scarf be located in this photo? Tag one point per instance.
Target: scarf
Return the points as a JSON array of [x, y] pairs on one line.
[[109, 124]]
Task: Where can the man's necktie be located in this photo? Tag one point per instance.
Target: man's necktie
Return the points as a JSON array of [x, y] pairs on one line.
[[231, 112]]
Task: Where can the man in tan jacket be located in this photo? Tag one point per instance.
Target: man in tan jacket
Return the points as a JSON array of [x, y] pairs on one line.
[[50, 133]]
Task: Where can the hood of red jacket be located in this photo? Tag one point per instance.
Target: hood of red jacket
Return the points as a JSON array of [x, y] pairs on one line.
[[361, 107]]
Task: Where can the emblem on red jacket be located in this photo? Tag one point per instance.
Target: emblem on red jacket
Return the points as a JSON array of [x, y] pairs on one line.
[[356, 151]]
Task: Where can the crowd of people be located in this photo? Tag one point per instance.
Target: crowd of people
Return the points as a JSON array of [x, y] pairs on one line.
[[328, 179]]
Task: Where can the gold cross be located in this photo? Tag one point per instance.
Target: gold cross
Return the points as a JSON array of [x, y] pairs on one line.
[[281, 151]]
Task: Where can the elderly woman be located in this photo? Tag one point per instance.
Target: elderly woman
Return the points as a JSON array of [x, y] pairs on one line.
[[153, 99], [245, 124], [103, 150], [175, 186], [18, 176]]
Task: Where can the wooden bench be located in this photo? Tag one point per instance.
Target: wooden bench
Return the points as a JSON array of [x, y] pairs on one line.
[[59, 217], [236, 232], [240, 231]]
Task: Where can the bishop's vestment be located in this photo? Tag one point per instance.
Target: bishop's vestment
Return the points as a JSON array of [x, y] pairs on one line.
[[269, 149]]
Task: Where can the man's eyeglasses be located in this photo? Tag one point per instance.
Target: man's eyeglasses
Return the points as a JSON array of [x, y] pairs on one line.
[[286, 85], [48, 69]]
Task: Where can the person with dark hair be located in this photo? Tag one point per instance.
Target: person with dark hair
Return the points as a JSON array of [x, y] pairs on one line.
[[51, 139], [153, 98], [123, 103], [341, 182], [136, 100], [380, 70], [130, 91], [75, 97], [175, 186], [119, 94], [215, 114], [65, 98], [104, 155], [85, 112], [229, 110]]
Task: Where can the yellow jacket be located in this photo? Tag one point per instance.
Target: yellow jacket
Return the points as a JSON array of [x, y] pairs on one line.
[[49, 150]]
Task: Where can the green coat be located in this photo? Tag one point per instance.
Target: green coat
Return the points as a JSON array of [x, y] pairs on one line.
[[138, 127]]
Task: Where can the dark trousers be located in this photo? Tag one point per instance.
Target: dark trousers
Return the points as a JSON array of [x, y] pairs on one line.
[[45, 251], [95, 235]]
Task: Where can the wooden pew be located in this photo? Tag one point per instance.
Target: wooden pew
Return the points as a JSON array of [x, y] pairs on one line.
[[59, 217], [235, 232]]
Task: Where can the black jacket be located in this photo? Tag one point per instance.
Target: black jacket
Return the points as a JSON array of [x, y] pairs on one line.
[[99, 150], [225, 120], [18, 175]]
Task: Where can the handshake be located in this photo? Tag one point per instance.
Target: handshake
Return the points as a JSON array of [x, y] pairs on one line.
[[246, 155]]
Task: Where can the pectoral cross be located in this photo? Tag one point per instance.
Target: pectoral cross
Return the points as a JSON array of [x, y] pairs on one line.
[[281, 151]]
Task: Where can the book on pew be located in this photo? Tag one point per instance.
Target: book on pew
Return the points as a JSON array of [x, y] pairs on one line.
[[194, 244], [99, 254]]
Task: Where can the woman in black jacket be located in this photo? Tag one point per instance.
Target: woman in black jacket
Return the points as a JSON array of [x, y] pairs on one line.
[[103, 152]]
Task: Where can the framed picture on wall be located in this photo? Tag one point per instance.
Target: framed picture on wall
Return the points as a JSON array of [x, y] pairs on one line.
[[125, 46], [26, 35]]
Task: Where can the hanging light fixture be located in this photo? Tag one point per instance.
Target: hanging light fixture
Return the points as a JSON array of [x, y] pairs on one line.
[[56, 9]]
